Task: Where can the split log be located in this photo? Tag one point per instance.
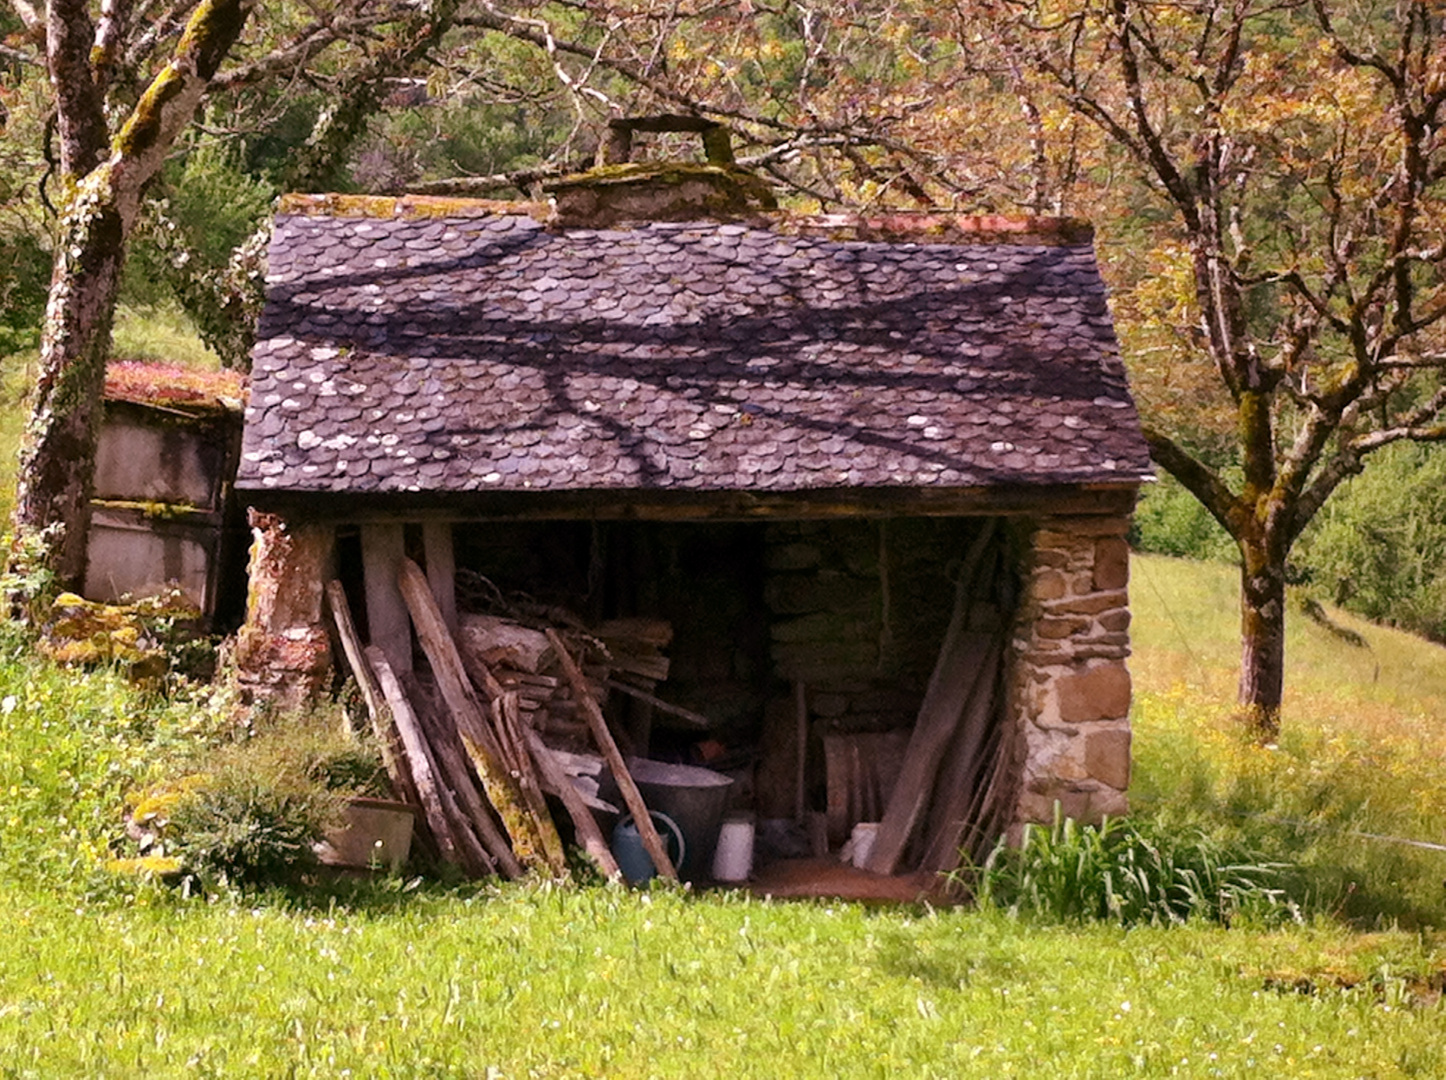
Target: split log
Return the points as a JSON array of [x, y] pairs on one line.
[[477, 739], [955, 672], [652, 842], [636, 631], [697, 719], [501, 642], [558, 783], [437, 806]]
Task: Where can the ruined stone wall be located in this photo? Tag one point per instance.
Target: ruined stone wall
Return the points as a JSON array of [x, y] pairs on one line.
[[283, 652], [1069, 697]]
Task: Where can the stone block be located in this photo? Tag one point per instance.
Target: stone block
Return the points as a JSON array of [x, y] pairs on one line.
[[1115, 621], [1049, 584], [1087, 525], [1099, 693], [802, 594], [1092, 604], [825, 626], [829, 705], [1112, 563], [1107, 756], [1056, 627]]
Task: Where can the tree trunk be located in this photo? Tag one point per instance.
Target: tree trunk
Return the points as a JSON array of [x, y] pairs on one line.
[[1262, 637], [57, 459], [105, 179]]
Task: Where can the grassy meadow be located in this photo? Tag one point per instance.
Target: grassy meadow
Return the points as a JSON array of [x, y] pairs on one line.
[[106, 976], [114, 977]]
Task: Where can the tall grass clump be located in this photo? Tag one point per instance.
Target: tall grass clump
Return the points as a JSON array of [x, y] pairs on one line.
[[1131, 873], [1353, 791]]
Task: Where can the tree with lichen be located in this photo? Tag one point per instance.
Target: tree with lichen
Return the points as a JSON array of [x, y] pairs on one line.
[[1284, 192], [101, 180], [112, 131]]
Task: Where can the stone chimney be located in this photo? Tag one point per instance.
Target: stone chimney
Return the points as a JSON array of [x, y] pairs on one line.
[[619, 189]]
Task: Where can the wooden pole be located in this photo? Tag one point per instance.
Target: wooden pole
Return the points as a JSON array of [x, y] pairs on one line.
[[383, 549], [800, 774], [560, 784], [477, 736], [509, 727], [383, 727], [696, 719], [436, 802], [652, 842]]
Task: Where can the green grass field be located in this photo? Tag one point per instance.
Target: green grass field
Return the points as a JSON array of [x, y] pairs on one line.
[[107, 977]]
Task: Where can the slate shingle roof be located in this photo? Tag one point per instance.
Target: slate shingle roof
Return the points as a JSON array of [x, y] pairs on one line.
[[484, 352]]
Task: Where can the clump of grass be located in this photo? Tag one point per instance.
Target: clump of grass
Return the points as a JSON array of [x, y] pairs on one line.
[[1130, 873]]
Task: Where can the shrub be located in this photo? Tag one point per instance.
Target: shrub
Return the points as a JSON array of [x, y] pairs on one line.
[[1171, 521], [1128, 873], [241, 830], [251, 811], [1378, 547]]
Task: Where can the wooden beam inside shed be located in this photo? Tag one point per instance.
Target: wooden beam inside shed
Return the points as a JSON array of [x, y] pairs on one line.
[[441, 569], [388, 624]]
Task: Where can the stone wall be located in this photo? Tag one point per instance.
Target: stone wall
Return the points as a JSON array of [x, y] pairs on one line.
[[858, 609], [1069, 698], [283, 652]]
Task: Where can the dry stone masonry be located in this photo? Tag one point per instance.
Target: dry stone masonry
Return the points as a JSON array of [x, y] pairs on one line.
[[1070, 689]]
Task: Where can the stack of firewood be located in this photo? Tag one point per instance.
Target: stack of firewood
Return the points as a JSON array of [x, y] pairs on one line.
[[467, 745]]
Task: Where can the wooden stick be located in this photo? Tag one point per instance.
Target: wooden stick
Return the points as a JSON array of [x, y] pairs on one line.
[[800, 778], [449, 750], [658, 703], [959, 774], [955, 672], [509, 727], [477, 736], [382, 726], [652, 842], [561, 785], [431, 794]]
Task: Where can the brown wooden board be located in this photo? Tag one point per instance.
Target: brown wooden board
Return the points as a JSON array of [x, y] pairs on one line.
[[647, 831]]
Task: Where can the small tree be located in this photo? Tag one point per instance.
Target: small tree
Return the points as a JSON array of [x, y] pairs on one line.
[[1290, 171], [114, 129]]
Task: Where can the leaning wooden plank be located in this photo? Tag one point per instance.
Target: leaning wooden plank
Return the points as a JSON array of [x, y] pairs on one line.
[[954, 675], [430, 791], [938, 718], [472, 725], [696, 719], [584, 824], [960, 772], [449, 751], [383, 548], [652, 842], [366, 681]]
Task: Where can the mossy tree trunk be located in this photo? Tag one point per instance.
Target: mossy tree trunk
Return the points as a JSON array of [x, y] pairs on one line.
[[103, 180], [1323, 348]]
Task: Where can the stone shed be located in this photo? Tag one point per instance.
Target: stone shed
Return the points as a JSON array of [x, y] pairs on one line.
[[792, 437]]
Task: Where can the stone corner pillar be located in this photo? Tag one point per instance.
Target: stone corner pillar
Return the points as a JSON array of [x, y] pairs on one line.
[[283, 650], [1069, 690]]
